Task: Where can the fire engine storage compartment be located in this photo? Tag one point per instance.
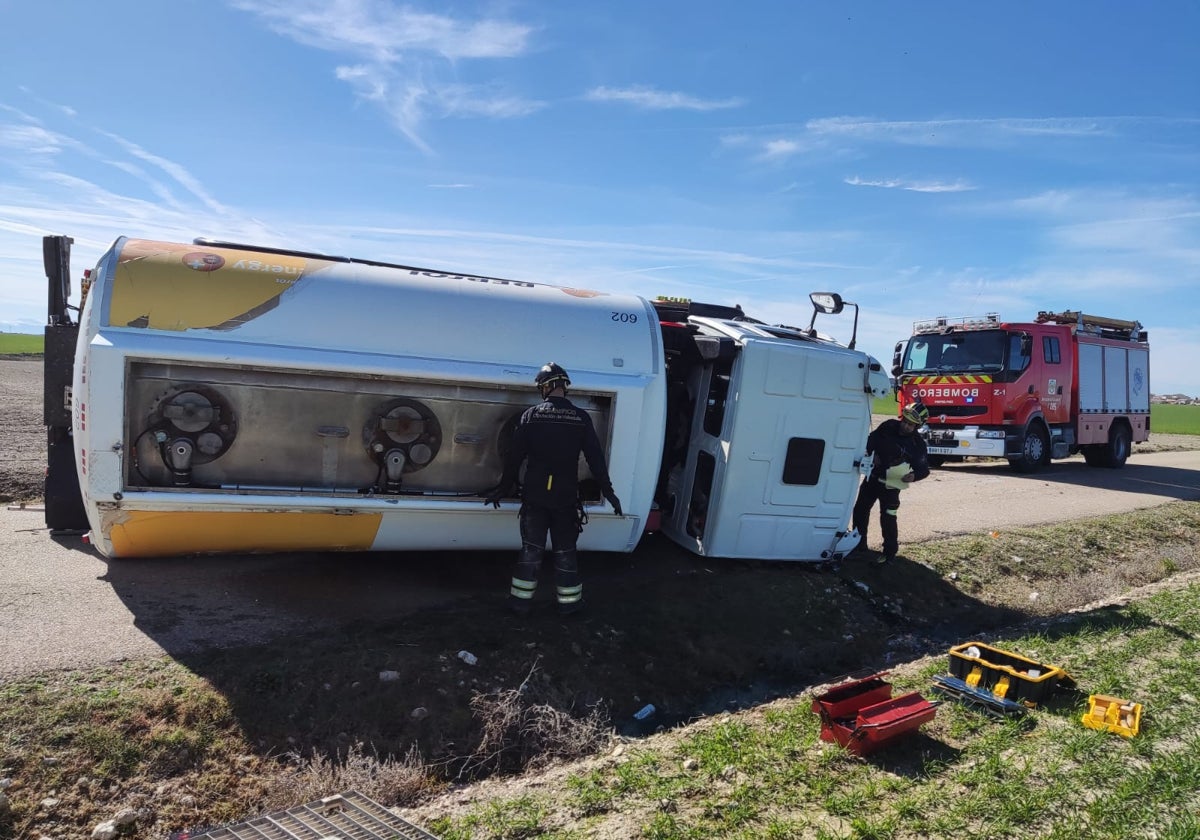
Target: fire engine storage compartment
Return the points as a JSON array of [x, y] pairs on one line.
[[1113, 378], [863, 716], [1006, 675]]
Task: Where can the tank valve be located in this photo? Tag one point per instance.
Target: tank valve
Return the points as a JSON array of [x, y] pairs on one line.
[[178, 456], [393, 466]]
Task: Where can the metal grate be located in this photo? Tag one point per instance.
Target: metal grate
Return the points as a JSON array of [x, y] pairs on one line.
[[343, 816]]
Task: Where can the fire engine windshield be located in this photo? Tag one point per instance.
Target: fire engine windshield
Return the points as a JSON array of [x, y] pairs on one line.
[[980, 351]]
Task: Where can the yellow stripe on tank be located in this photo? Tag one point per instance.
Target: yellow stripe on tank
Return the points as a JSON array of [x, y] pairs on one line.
[[142, 533], [168, 286]]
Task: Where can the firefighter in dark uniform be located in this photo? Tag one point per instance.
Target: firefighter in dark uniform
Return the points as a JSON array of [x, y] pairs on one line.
[[550, 437], [900, 459]]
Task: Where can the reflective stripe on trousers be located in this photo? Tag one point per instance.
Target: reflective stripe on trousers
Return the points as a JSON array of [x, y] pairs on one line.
[[568, 587], [525, 574]]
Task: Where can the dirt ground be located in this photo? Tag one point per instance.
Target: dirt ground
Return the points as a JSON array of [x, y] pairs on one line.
[[22, 435]]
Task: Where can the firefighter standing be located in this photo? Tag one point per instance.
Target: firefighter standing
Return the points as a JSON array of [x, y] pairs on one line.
[[550, 437], [900, 459]]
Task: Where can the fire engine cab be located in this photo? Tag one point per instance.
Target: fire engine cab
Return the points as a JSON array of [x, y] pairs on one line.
[[1061, 384]]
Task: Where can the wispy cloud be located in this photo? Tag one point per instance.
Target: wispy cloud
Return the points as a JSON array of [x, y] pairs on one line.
[[383, 32], [912, 186], [1142, 227], [951, 132], [648, 98], [31, 139], [780, 149], [399, 57], [843, 135], [172, 169]]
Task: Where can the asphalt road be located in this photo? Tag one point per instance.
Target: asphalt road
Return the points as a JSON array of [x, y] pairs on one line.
[[63, 606]]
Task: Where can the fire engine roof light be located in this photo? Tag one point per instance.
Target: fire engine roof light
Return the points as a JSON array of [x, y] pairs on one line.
[[943, 324]]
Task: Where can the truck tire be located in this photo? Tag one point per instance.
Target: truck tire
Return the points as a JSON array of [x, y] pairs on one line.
[[1095, 455], [936, 461], [1117, 450], [1035, 453]]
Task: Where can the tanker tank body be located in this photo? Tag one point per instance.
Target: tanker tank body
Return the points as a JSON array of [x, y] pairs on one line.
[[229, 398]]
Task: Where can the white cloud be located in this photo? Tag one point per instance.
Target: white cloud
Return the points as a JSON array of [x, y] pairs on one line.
[[913, 186], [401, 56], [177, 173], [475, 100], [1160, 230], [954, 132], [32, 139], [658, 100], [382, 32], [779, 149]]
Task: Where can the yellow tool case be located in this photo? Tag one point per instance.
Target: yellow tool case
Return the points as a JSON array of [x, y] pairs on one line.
[[1113, 714], [1005, 675]]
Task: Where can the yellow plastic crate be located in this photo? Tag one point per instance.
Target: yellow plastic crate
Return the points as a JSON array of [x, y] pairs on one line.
[[1006, 675], [1113, 714]]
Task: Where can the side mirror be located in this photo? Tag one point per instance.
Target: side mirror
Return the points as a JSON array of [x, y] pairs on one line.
[[828, 302]]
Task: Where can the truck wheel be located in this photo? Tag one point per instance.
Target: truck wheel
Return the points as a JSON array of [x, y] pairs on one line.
[[1095, 456], [1036, 452], [1118, 446], [936, 461]]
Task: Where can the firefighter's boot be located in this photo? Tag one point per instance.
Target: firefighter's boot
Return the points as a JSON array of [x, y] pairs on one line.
[[524, 579], [861, 518], [891, 535], [568, 587]]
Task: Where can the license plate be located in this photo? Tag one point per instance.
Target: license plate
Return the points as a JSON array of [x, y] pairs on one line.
[[941, 450]]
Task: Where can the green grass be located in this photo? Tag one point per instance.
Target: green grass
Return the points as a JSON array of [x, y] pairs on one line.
[[966, 774], [13, 344], [1164, 419], [1175, 419]]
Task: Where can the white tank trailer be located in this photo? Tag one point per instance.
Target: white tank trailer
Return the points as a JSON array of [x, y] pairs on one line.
[[217, 397]]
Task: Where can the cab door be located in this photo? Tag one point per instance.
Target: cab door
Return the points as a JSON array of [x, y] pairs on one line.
[[1055, 376]]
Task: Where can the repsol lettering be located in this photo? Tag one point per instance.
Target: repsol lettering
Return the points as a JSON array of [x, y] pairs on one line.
[[271, 268], [495, 281], [945, 392]]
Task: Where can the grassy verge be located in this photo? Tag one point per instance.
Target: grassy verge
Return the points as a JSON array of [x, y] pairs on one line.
[[1164, 419], [214, 738], [767, 774], [17, 344], [1175, 419]]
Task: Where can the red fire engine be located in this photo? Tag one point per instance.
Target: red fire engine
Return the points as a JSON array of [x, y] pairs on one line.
[[1065, 383]]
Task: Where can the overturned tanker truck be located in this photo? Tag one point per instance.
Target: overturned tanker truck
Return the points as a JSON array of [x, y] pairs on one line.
[[218, 397]]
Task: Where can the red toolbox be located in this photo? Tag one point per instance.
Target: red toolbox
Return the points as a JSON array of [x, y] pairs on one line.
[[862, 715]]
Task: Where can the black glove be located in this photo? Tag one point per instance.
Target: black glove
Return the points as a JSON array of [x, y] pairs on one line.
[[614, 501], [493, 497]]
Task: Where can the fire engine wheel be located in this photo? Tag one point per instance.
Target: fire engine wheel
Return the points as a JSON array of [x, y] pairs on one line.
[[1035, 454], [1118, 446], [1112, 454]]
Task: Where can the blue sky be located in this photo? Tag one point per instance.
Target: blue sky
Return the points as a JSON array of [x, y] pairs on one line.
[[922, 159]]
